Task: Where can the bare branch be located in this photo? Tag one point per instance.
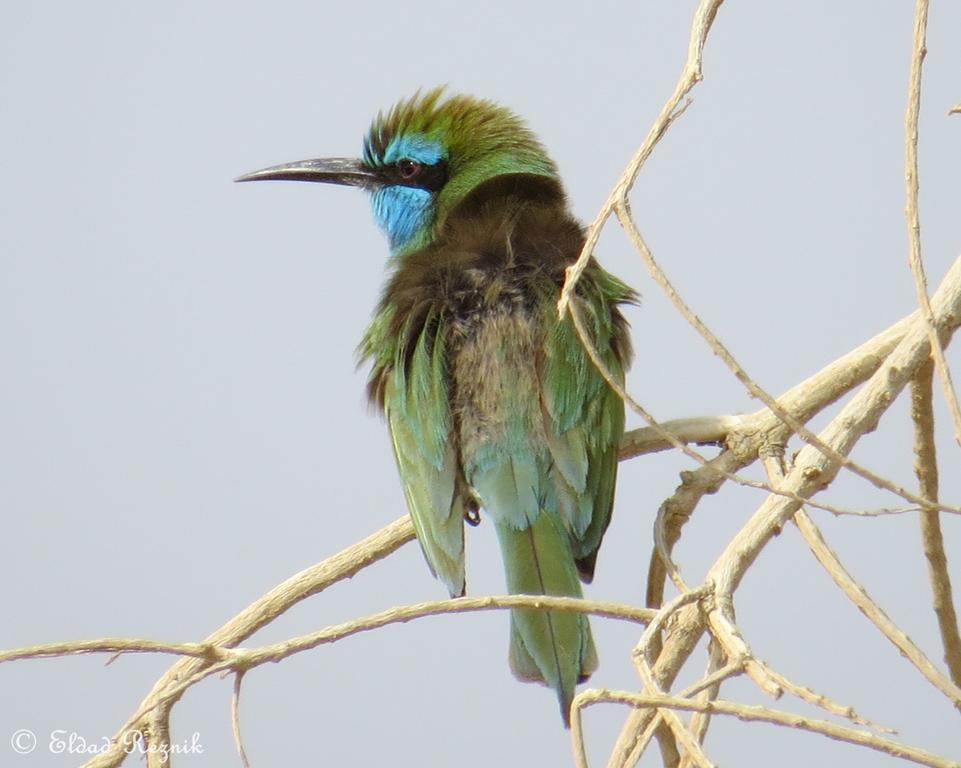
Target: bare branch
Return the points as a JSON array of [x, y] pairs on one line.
[[641, 653], [732, 669], [247, 659], [759, 714], [701, 431], [812, 470], [755, 390], [156, 738], [761, 429], [676, 732], [262, 611], [926, 469]]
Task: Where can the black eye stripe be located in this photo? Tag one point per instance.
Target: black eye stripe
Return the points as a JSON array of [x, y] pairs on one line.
[[430, 177]]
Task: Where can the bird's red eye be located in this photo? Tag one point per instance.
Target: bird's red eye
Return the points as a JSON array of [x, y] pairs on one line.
[[408, 169]]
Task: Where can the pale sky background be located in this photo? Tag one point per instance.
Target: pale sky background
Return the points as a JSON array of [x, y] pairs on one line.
[[182, 426]]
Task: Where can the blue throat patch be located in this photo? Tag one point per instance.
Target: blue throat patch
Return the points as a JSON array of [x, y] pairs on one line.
[[402, 213], [405, 213]]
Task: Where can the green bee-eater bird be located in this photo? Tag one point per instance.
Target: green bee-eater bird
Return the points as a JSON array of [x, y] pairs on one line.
[[491, 401]]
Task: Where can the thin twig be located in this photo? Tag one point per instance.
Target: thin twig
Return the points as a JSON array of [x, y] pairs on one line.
[[701, 721], [875, 614], [878, 511], [116, 645], [775, 475], [727, 634], [236, 657], [690, 76], [912, 214], [823, 702], [235, 718]]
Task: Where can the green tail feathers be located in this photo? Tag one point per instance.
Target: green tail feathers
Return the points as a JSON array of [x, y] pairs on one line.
[[551, 647]]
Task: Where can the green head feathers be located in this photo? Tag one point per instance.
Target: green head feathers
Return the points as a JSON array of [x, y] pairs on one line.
[[423, 157], [443, 149]]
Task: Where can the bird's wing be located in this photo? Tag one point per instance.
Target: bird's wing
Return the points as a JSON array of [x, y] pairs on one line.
[[583, 415], [417, 404]]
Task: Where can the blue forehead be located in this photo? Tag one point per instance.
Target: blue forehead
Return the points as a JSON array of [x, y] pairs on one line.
[[416, 147]]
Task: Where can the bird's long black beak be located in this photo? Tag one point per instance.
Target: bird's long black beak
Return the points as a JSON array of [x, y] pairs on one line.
[[329, 170]]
